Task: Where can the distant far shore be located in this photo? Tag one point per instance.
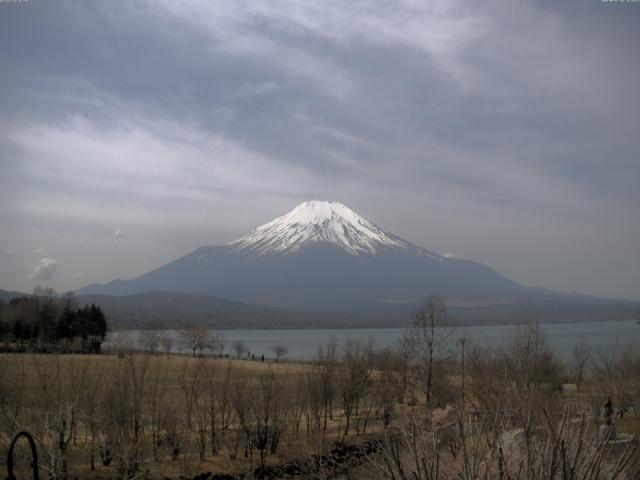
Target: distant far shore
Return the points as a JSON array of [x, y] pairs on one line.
[[302, 344]]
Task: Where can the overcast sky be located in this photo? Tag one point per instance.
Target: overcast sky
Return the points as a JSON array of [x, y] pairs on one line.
[[507, 132]]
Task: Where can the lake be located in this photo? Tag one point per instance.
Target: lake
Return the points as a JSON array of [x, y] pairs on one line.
[[604, 337]]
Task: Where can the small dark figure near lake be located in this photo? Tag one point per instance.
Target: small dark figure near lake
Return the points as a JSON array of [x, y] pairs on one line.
[[608, 411]]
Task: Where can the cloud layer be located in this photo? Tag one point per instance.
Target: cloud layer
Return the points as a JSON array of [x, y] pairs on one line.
[[505, 132], [45, 270]]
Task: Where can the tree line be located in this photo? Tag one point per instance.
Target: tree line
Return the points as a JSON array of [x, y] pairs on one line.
[[46, 322]]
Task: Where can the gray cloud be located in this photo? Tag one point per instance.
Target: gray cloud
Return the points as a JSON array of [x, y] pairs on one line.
[[45, 270], [512, 140]]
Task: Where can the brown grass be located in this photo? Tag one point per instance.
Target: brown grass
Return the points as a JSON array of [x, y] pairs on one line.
[[30, 378]]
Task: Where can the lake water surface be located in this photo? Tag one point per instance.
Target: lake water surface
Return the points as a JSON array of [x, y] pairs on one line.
[[604, 337]]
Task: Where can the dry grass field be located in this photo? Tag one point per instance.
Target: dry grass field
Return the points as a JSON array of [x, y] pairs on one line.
[[157, 414], [132, 415]]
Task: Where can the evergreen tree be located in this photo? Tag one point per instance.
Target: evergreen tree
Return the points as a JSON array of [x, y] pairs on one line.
[[97, 328], [45, 320]]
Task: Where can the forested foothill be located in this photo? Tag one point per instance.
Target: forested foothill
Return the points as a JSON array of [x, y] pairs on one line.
[[45, 322]]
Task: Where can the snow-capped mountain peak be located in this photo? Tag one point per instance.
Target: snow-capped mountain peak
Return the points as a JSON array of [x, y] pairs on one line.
[[318, 221]]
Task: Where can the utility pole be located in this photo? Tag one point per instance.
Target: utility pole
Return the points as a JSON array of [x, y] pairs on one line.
[[462, 342]]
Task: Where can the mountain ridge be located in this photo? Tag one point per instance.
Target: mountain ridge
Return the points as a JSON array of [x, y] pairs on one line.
[[323, 258]]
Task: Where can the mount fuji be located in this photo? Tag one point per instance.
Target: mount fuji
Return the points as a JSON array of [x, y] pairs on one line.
[[317, 222], [322, 257]]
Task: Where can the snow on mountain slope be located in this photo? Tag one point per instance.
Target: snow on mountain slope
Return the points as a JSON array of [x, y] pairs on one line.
[[318, 221]]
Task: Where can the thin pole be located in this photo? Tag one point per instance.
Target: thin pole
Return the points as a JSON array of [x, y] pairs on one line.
[[462, 342]]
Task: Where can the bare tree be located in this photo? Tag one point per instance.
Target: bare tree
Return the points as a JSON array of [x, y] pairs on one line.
[[389, 365], [580, 359], [159, 409], [217, 344], [167, 343], [353, 377], [122, 411], [617, 376], [212, 402], [239, 347], [149, 342], [262, 410], [314, 404], [224, 397], [429, 338], [193, 382], [297, 393], [440, 448], [327, 360], [405, 352], [519, 382], [194, 338], [121, 342], [532, 363], [56, 411], [279, 351], [88, 382], [12, 389]]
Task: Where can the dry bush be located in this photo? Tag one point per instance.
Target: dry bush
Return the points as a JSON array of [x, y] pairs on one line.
[[353, 377], [523, 377], [513, 423], [617, 376], [440, 447], [327, 360], [261, 407]]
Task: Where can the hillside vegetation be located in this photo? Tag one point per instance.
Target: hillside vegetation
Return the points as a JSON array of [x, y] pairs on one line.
[[428, 410]]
